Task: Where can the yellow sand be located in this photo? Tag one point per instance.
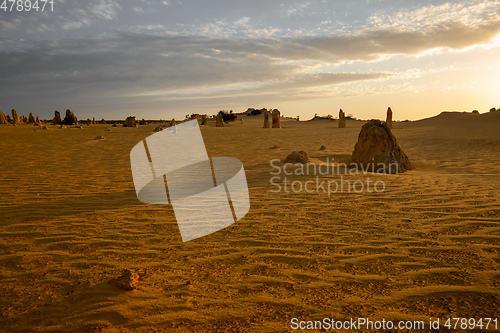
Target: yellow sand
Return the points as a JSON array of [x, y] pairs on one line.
[[426, 247]]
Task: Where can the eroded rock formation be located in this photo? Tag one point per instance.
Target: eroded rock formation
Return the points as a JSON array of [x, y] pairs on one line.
[[377, 150], [341, 119], [276, 119]]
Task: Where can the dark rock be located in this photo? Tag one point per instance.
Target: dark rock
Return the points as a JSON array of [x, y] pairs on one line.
[[130, 122], [70, 118], [297, 157], [388, 119], [57, 118], [128, 281]]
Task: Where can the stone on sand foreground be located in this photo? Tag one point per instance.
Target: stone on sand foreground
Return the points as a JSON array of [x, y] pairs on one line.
[[128, 281], [297, 157], [377, 150]]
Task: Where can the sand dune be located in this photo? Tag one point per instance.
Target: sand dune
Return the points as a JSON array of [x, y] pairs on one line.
[[426, 247]]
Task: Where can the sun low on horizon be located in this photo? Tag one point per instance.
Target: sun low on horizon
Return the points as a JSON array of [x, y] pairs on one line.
[[165, 59]]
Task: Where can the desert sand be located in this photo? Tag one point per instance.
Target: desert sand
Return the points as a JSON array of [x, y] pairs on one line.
[[70, 222]]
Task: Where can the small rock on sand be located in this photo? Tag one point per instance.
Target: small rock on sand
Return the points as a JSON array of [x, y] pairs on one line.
[[322, 148], [100, 137], [275, 147], [297, 157], [128, 281]]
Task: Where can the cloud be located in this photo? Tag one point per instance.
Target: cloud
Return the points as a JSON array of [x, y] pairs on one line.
[[372, 44], [223, 59], [111, 68], [468, 13], [7, 25]]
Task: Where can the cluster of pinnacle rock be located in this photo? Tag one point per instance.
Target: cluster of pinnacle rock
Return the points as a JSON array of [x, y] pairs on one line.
[[69, 119]]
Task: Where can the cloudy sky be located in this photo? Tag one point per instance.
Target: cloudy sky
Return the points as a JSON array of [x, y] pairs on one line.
[[164, 59]]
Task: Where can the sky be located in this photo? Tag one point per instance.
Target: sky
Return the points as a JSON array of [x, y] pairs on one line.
[[169, 58]]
